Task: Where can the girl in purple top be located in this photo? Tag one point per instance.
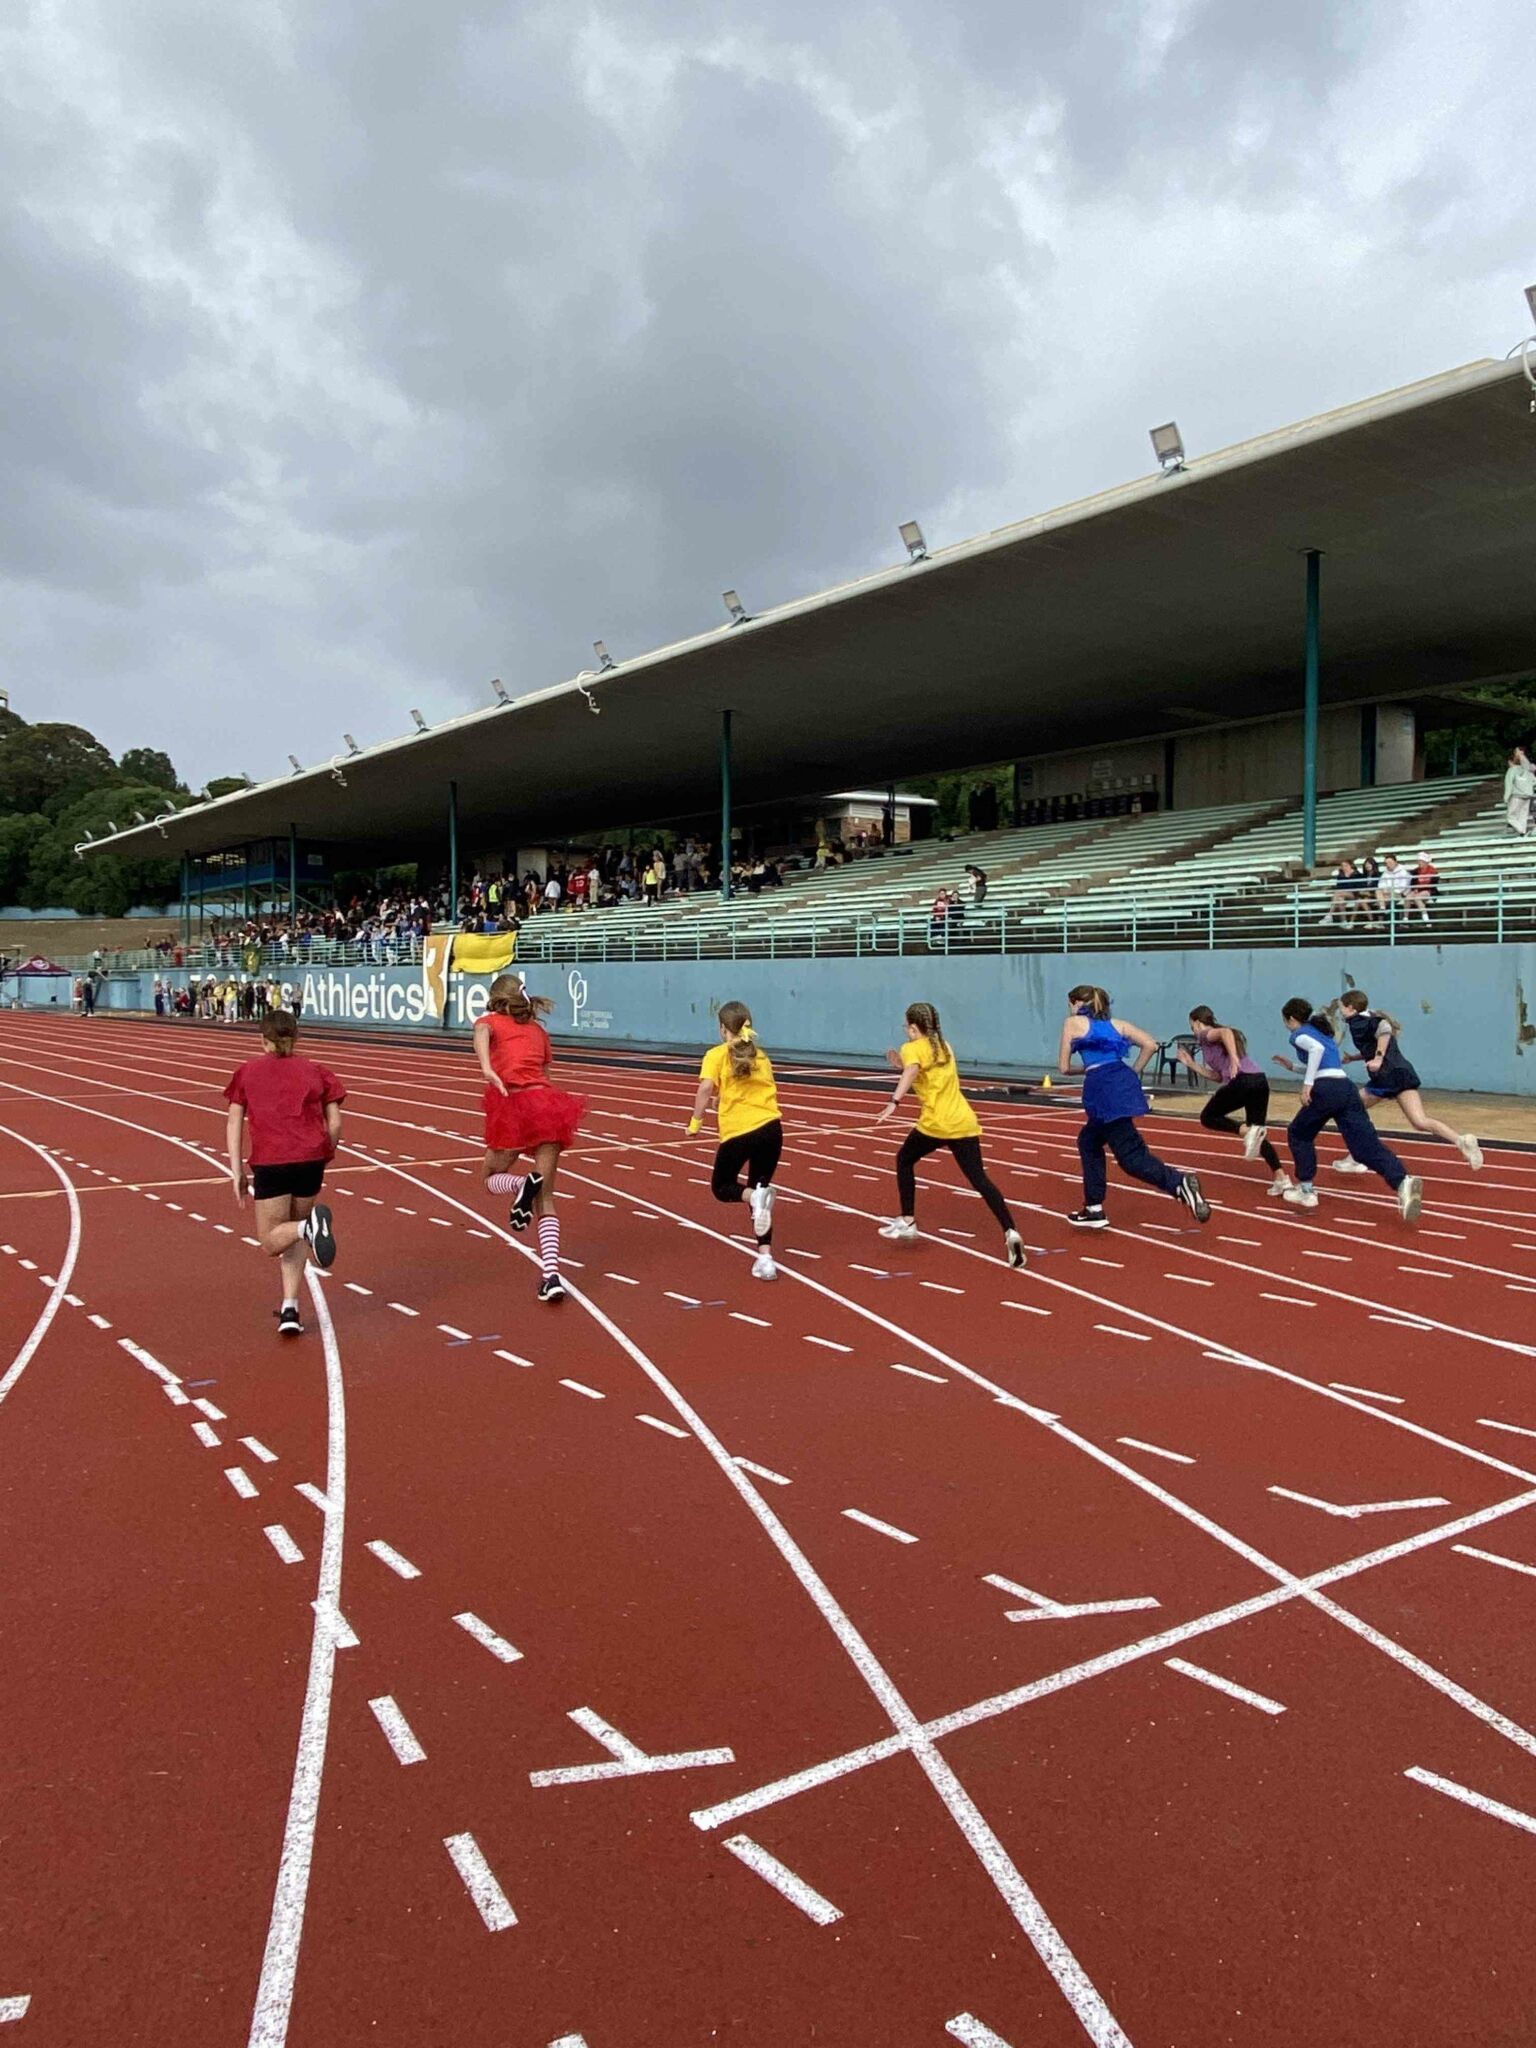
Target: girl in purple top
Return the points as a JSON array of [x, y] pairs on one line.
[[1241, 1084]]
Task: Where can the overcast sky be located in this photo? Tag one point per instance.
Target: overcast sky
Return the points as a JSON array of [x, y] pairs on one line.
[[352, 354]]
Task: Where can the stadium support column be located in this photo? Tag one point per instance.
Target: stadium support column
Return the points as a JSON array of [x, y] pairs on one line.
[[293, 875], [453, 853], [1309, 717], [186, 901], [725, 807]]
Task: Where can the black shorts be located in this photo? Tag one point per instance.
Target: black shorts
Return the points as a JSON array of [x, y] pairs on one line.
[[301, 1178]]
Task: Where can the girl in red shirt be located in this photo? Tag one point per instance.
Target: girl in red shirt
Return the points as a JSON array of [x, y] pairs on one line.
[[525, 1112], [294, 1109]]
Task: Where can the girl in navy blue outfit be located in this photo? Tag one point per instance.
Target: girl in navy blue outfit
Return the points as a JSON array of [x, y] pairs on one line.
[[1392, 1077], [1328, 1096], [1113, 1098]]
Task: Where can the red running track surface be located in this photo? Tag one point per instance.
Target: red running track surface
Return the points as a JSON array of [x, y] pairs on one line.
[[1134, 1648]]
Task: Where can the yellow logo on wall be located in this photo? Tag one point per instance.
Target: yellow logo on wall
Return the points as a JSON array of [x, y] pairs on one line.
[[462, 953]]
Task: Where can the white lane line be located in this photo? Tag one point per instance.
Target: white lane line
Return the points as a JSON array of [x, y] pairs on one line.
[[207, 1435], [1370, 1393], [386, 1553], [449, 1331], [1513, 1428], [207, 1408], [1214, 1679], [938, 1287], [1510, 1564], [1026, 1308], [1368, 1507], [1112, 1330], [487, 1637], [666, 1428], [1289, 1300], [626, 1759], [916, 1372], [570, 2040], [283, 1543], [490, 1900], [224, 1229], [401, 1310], [577, 1387], [1252, 1243], [314, 1496], [877, 1272], [827, 1344], [884, 1528], [757, 1322], [1156, 1450], [783, 1880], [241, 1482], [1118, 1264], [100, 1322], [1335, 1258], [1043, 1608], [30, 1265], [280, 1960], [1188, 1280], [761, 1472], [622, 1278], [688, 1300], [1426, 1273], [969, 2031], [355, 1287], [149, 1362], [1401, 1322], [174, 1395], [14, 2008], [259, 1450], [512, 1358], [1480, 1800], [398, 1732]]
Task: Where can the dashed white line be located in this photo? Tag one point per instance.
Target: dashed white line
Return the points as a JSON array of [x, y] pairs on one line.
[[884, 1528], [487, 1637], [1333, 1258], [827, 1344], [970, 2033], [512, 1358], [667, 1428], [448, 1330], [916, 1372], [1156, 1450], [761, 1472], [1426, 1273], [206, 1435], [1510, 1564], [688, 1300], [1401, 1322], [14, 2008], [938, 1287], [283, 1543], [757, 1322], [1252, 1243], [258, 1449], [356, 1287], [206, 1407], [313, 1494], [622, 1278], [100, 1322], [241, 1482], [1370, 1393], [1514, 1429], [400, 1309], [1111, 1330], [1118, 1264], [1188, 1280], [1026, 1308], [491, 1901], [1214, 1679], [1288, 1300], [386, 1553], [784, 1880], [1480, 1800], [578, 1387], [398, 1732], [1369, 1507]]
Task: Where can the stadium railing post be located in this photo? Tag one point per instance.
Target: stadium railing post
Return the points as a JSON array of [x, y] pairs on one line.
[[1064, 924], [1295, 913], [1392, 920], [1210, 922], [1135, 948], [1499, 913]]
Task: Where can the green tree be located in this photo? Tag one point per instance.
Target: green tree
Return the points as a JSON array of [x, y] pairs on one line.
[[226, 785], [103, 884], [44, 767], [148, 766], [19, 835]]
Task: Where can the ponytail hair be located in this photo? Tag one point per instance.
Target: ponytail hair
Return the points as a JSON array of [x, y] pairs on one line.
[[509, 998], [1298, 1012], [1356, 1000], [280, 1029], [1087, 996], [741, 1039], [924, 1019], [1203, 1014]]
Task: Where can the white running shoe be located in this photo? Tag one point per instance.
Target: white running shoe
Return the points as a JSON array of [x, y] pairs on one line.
[[760, 1202], [1254, 1139], [1471, 1151], [1349, 1166], [1300, 1198], [1013, 1250], [900, 1230], [1410, 1198], [763, 1267], [1280, 1183]]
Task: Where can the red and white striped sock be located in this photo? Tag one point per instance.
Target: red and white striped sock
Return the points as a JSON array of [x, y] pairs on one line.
[[549, 1246], [506, 1184]]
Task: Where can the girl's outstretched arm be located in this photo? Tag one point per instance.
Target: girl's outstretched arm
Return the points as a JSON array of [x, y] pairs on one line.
[[903, 1087], [483, 1055], [1143, 1040]]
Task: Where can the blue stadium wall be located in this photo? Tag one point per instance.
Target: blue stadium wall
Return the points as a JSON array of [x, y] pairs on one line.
[[1464, 1008]]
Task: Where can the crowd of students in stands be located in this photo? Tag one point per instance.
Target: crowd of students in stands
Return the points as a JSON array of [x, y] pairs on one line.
[[1369, 896]]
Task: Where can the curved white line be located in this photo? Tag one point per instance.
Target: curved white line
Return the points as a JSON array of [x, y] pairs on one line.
[[280, 1962], [60, 1288]]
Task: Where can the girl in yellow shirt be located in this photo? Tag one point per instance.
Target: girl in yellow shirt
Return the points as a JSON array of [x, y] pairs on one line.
[[738, 1075], [945, 1119]]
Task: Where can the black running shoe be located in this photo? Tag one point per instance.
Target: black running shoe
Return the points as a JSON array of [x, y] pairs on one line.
[[1193, 1197], [320, 1235], [1088, 1219], [521, 1212], [288, 1324], [551, 1288]]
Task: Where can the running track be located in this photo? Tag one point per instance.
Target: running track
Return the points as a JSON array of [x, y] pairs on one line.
[[1136, 1648]]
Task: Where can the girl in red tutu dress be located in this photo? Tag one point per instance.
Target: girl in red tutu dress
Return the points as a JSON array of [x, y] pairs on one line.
[[525, 1112]]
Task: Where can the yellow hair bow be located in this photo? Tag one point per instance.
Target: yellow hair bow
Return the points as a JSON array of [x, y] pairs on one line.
[[746, 1032]]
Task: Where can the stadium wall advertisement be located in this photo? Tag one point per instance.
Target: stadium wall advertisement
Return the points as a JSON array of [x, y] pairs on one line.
[[1466, 1010]]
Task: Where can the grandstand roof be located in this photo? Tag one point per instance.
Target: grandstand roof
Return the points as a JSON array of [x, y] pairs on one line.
[[1152, 607]]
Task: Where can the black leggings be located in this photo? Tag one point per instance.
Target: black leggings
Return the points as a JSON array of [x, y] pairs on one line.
[[1130, 1149], [1334, 1100], [1250, 1094], [759, 1151], [967, 1153]]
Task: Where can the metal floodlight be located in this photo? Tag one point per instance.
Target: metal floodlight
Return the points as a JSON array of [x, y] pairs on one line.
[[421, 723], [605, 660], [738, 611], [337, 776], [111, 824], [90, 836], [296, 764], [139, 818], [1530, 299], [501, 690], [352, 746], [912, 534], [1168, 447], [587, 691]]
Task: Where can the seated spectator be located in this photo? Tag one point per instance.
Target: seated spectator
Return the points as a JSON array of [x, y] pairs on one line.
[[1392, 888], [1342, 903], [1426, 887]]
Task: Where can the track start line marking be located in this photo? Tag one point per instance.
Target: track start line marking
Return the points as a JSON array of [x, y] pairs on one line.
[[629, 1760], [1365, 1507]]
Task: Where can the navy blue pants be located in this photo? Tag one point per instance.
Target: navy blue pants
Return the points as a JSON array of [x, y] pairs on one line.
[[1131, 1154], [1335, 1101]]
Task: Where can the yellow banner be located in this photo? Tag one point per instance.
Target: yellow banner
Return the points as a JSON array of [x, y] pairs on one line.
[[484, 953]]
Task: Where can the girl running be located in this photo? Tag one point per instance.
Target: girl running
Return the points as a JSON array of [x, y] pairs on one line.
[[1113, 1098], [1327, 1096], [1240, 1085], [945, 1119], [525, 1112], [1393, 1078], [294, 1109], [738, 1075]]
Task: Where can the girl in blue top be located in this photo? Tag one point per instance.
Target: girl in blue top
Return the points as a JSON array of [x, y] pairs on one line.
[[1328, 1096], [1113, 1098]]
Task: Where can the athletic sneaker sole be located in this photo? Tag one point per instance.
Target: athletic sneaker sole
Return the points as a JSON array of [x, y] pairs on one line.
[[1089, 1222], [1192, 1196], [1410, 1199], [321, 1236]]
